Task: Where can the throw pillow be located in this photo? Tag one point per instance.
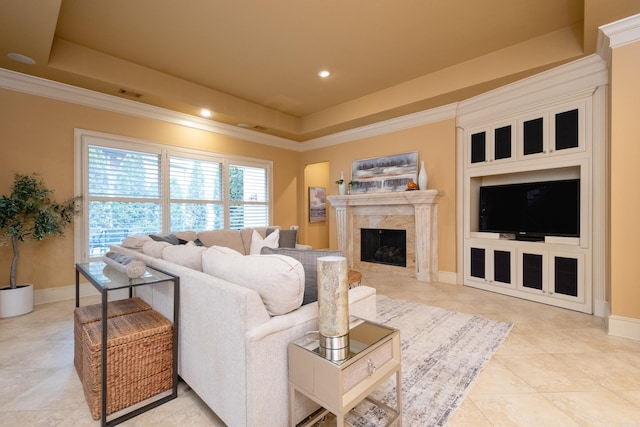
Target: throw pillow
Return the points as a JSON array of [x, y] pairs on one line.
[[171, 238], [288, 238], [135, 241], [257, 242], [308, 258], [279, 280]]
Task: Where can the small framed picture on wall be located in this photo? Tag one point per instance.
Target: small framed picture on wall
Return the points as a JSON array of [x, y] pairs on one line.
[[317, 204]]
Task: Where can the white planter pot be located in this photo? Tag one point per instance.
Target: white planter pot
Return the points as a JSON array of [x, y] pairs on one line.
[[15, 302]]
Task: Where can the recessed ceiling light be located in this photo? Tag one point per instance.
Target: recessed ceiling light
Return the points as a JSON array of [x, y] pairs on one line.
[[324, 74], [205, 113], [21, 58]]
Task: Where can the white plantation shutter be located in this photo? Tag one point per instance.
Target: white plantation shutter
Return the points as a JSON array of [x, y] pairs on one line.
[[144, 188], [249, 196], [196, 194], [124, 195]]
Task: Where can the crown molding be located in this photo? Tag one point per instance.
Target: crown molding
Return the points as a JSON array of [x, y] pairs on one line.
[[38, 86], [392, 125], [63, 92], [565, 81], [624, 31], [616, 34]]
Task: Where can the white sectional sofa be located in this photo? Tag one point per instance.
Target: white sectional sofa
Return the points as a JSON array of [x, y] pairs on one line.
[[234, 330]]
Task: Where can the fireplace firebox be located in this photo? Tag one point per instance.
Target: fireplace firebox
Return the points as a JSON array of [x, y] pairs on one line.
[[382, 246]]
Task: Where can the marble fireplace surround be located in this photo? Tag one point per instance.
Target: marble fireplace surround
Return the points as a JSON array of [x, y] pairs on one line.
[[413, 211]]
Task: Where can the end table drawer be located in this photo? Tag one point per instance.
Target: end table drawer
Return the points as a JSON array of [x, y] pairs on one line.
[[359, 371]]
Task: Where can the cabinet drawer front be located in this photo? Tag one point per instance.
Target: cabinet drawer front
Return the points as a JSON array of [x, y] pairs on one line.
[[359, 371]]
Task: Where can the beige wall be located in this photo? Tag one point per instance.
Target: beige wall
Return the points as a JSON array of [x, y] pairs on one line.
[[37, 134], [435, 144], [625, 177], [315, 234]]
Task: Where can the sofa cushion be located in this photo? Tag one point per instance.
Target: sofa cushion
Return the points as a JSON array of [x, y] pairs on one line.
[[229, 238], [188, 255], [135, 241], [154, 248], [279, 280], [308, 259], [288, 238], [257, 242]]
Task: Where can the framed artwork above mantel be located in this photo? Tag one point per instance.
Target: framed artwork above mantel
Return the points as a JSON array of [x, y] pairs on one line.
[[384, 174]]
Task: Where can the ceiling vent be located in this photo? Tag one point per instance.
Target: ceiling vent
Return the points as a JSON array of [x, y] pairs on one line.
[[129, 93]]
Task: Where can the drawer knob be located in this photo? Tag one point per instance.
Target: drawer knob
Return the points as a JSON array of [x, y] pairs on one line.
[[371, 366]]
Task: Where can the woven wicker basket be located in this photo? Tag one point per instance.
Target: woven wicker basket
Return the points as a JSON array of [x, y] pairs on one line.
[[93, 313], [139, 360]]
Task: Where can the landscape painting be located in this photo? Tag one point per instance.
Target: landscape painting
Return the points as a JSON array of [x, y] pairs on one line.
[[384, 174], [317, 204]]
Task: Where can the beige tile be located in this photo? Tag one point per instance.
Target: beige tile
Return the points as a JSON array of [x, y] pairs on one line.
[[525, 409], [612, 370], [38, 418], [631, 396], [597, 409], [497, 379], [468, 415], [518, 343], [558, 341], [546, 373]]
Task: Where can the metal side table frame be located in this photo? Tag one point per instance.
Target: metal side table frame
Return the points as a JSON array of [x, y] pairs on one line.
[[93, 271]]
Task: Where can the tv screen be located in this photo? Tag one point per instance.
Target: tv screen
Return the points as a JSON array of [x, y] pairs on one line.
[[532, 210]]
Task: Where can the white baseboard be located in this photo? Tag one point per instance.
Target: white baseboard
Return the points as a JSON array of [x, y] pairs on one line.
[[625, 327], [448, 277], [64, 293]]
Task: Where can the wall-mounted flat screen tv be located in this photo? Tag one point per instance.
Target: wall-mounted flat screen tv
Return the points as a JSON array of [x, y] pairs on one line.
[[532, 210]]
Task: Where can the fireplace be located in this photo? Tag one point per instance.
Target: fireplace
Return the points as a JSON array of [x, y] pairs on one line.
[[413, 212], [382, 246]]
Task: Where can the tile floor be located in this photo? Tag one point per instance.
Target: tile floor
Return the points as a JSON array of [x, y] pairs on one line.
[[556, 368]]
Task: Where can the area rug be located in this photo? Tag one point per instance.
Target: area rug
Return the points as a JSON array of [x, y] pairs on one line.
[[443, 353]]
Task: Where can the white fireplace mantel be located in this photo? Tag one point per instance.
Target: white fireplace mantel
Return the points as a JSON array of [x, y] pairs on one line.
[[421, 205]]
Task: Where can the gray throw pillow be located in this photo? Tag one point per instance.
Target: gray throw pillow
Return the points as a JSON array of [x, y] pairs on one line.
[[308, 258], [288, 238], [171, 238]]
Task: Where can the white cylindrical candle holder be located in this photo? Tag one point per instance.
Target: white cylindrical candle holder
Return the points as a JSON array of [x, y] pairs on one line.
[[333, 306]]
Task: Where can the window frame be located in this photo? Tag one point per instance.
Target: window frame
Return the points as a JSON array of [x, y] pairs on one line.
[[85, 138]]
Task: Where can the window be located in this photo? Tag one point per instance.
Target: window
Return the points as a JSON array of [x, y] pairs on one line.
[[135, 187], [196, 194]]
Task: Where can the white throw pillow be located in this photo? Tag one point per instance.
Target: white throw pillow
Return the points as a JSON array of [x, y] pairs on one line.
[[278, 279], [135, 241], [257, 242]]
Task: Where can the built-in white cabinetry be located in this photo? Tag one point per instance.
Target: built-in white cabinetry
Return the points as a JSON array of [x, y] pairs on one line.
[[541, 129], [491, 266], [554, 274]]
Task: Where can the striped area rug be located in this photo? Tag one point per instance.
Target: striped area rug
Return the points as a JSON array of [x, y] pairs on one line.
[[443, 353]]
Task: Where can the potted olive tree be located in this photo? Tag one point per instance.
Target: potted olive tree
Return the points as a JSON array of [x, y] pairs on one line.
[[28, 213]]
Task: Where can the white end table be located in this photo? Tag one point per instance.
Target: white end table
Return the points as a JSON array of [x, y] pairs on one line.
[[338, 386]]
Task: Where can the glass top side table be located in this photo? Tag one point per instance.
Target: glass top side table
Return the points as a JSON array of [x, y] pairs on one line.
[[105, 282]]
